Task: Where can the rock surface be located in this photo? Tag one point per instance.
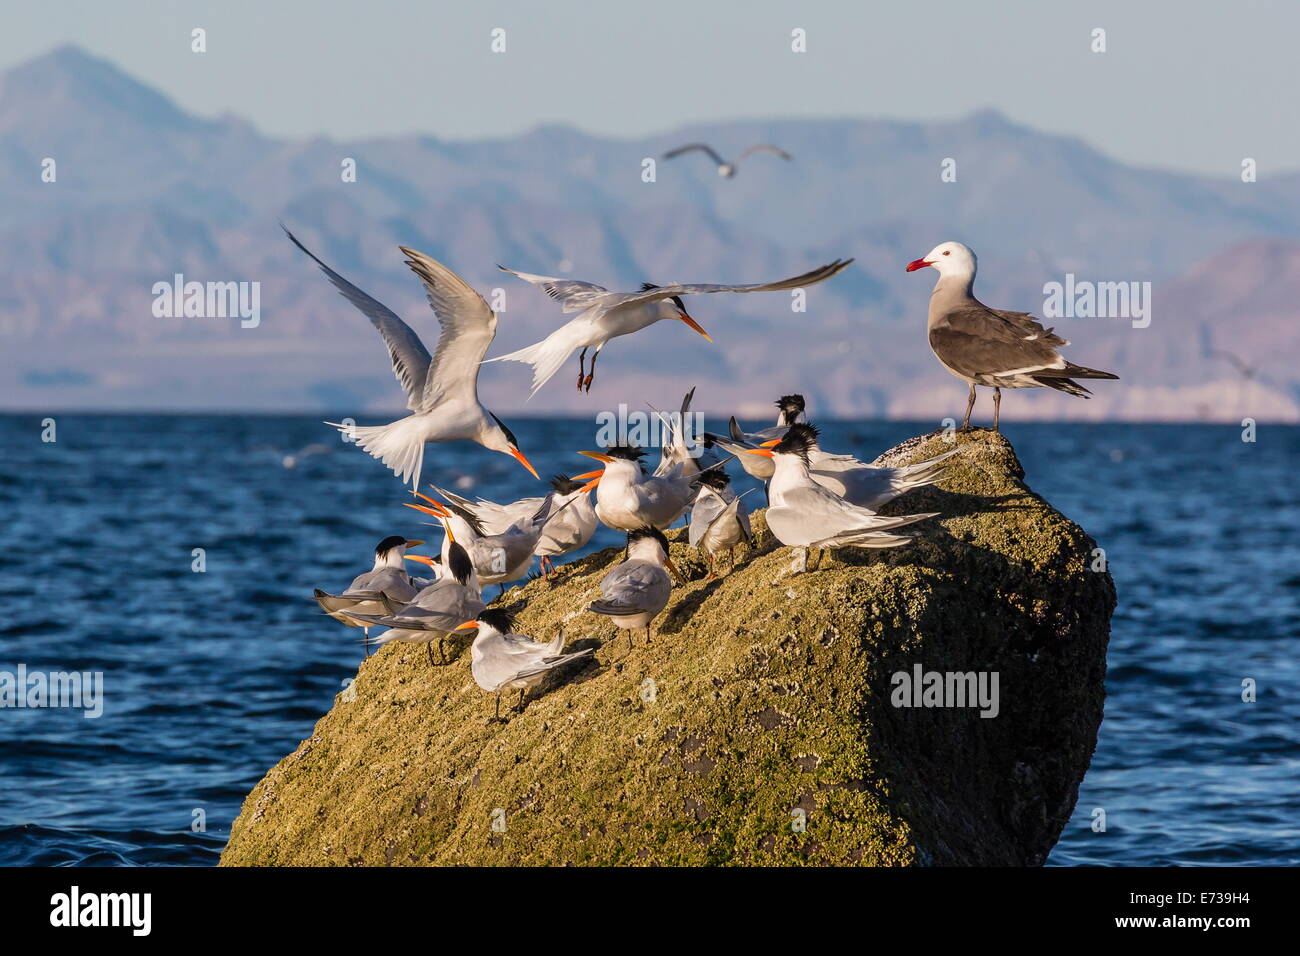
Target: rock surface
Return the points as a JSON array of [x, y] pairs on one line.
[[764, 702]]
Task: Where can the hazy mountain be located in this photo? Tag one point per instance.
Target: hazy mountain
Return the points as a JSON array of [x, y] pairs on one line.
[[145, 190]]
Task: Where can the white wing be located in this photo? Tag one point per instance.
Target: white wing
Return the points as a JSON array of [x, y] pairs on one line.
[[574, 295], [812, 277], [409, 356], [468, 327]]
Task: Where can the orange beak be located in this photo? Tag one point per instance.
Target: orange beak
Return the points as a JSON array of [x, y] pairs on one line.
[[519, 457], [753, 451], [422, 558], [770, 444], [695, 325], [412, 543], [599, 456], [594, 482], [467, 626]]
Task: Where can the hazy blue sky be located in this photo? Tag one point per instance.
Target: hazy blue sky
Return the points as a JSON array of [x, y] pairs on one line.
[[1184, 84]]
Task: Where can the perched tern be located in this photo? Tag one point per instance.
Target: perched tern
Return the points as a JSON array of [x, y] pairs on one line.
[[442, 389], [990, 347], [790, 409], [726, 169], [499, 658], [636, 591], [805, 515], [628, 499], [605, 315], [438, 609], [719, 519], [384, 588]]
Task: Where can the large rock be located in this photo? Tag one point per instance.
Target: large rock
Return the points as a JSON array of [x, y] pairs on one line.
[[763, 694]]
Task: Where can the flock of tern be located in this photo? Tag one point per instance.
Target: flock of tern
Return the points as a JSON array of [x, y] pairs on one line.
[[816, 499]]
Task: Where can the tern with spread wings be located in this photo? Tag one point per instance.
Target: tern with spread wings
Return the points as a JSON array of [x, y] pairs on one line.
[[441, 389], [604, 315]]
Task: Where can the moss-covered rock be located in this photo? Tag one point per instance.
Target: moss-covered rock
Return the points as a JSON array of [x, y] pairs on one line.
[[764, 702]]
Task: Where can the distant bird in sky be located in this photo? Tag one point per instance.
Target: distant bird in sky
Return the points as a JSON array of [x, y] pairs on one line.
[[442, 389], [719, 519], [805, 515], [634, 593], [990, 347], [726, 169], [1243, 368], [605, 315], [500, 658], [382, 589]]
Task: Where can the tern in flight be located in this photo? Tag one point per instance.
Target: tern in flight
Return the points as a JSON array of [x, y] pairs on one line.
[[725, 169], [604, 315], [990, 347], [442, 389]]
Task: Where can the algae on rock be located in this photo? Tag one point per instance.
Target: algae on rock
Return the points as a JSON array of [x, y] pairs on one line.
[[757, 728]]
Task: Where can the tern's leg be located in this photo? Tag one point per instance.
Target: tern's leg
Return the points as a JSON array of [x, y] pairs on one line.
[[581, 367], [997, 403], [591, 374], [442, 651], [498, 713], [519, 707], [970, 405], [365, 644], [767, 495], [647, 634]]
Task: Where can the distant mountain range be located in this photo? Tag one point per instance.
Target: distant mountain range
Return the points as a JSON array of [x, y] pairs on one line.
[[144, 191]]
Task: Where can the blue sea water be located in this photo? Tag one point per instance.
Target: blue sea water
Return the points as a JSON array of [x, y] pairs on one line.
[[210, 678]]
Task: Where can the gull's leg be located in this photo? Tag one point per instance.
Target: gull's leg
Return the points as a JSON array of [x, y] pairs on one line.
[[591, 374], [581, 367], [997, 403], [970, 405]]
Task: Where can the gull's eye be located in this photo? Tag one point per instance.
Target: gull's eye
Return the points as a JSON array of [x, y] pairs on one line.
[[947, 252]]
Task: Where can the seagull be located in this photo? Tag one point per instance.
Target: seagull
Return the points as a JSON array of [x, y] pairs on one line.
[[500, 658], [719, 519], [626, 499], [438, 610], [385, 587], [442, 389], [725, 169], [605, 315], [635, 591], [989, 347], [805, 515]]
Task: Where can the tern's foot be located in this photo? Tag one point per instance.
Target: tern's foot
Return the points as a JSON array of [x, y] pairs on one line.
[[586, 383], [580, 380]]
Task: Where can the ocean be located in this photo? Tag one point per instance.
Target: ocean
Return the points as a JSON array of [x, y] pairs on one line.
[[177, 556]]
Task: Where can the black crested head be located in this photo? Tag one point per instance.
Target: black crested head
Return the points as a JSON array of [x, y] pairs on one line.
[[676, 300], [510, 436], [625, 452], [791, 406], [459, 563], [498, 619], [715, 478], [799, 440], [707, 441], [648, 531], [564, 485], [388, 544]]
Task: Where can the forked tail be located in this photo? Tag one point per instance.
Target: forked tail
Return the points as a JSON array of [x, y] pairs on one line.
[[399, 445]]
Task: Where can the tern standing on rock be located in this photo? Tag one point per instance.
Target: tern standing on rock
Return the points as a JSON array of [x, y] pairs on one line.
[[606, 315], [805, 515], [442, 389], [501, 659], [636, 591], [990, 347], [626, 499], [719, 519], [382, 589]]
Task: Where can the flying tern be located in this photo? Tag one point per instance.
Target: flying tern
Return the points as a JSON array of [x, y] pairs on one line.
[[990, 347], [637, 590], [726, 169], [442, 389], [805, 515], [500, 658], [605, 315]]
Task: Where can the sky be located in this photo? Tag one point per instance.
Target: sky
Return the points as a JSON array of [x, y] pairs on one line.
[[1189, 85]]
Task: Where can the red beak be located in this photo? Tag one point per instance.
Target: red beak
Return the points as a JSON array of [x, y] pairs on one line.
[[918, 264]]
